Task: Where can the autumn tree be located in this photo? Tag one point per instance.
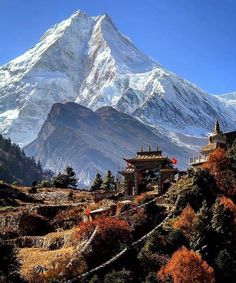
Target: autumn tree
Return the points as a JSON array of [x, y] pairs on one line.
[[111, 235], [228, 204], [217, 163], [186, 266], [185, 221]]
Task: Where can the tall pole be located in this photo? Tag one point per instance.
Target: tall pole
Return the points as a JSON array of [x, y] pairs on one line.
[[135, 182]]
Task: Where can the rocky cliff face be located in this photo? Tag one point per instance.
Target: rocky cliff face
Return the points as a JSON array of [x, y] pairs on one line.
[[87, 60], [94, 141]]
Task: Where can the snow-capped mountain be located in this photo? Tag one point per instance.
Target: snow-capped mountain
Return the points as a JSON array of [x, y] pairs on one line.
[[229, 98], [87, 60]]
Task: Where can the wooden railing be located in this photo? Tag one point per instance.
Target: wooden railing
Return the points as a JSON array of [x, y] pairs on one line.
[[198, 159]]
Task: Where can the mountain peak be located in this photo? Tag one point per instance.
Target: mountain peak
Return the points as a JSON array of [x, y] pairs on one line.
[[106, 18], [87, 60], [79, 13]]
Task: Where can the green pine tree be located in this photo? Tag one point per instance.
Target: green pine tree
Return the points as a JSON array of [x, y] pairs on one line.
[[231, 153], [118, 276], [71, 177], [201, 230], [222, 220], [65, 180], [97, 183], [225, 264], [109, 181], [9, 263]]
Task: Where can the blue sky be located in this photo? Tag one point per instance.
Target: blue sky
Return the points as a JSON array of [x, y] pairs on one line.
[[194, 38]]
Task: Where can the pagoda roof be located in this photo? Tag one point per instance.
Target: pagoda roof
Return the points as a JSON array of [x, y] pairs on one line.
[[209, 147], [150, 152], [145, 158], [129, 170]]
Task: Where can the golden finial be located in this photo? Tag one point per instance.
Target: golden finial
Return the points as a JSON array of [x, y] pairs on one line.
[[217, 128]]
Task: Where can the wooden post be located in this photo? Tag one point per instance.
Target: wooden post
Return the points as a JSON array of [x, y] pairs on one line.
[[126, 185], [135, 182]]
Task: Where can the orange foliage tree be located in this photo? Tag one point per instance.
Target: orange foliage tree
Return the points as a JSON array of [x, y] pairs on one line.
[[218, 165], [119, 228], [143, 198], [111, 236], [229, 204], [186, 266], [185, 221]]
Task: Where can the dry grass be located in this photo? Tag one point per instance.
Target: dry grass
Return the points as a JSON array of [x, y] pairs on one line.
[[48, 195], [31, 257], [105, 203], [67, 235]]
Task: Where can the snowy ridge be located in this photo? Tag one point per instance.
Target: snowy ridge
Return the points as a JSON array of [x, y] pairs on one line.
[[228, 98], [87, 60]]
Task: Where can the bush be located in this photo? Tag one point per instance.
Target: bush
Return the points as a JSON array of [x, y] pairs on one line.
[[15, 183], [151, 278], [61, 270], [95, 279], [124, 206], [150, 261], [68, 218], [70, 196], [138, 220], [112, 235], [143, 198], [122, 276], [45, 184]]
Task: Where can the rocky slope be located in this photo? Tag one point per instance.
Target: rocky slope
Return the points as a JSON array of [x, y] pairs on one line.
[[94, 141], [87, 60]]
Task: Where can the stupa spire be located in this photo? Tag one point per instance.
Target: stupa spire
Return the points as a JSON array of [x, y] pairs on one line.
[[217, 128]]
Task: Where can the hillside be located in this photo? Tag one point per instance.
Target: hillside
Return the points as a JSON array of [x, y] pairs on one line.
[[15, 166], [189, 232], [92, 141]]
